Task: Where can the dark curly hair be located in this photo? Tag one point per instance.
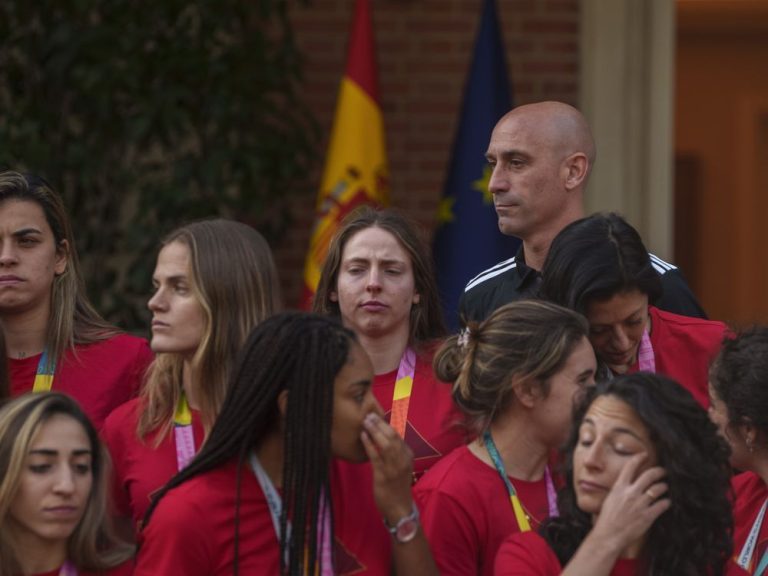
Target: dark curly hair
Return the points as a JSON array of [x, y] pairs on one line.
[[738, 376], [693, 537]]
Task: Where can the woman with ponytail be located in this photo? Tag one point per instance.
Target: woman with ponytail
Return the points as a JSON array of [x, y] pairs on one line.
[[264, 495], [515, 376]]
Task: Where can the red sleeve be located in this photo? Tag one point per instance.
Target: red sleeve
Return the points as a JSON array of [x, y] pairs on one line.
[[526, 554], [451, 533], [175, 541], [144, 357], [113, 436]]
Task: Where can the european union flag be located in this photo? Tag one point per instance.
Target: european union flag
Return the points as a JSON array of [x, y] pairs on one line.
[[468, 239]]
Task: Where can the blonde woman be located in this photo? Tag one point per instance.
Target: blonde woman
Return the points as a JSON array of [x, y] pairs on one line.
[[53, 471], [214, 281]]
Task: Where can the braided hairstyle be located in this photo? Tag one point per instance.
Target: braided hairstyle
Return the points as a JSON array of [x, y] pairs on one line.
[[299, 353]]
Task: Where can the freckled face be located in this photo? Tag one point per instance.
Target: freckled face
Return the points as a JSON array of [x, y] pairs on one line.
[[353, 400], [29, 257], [610, 435], [375, 288]]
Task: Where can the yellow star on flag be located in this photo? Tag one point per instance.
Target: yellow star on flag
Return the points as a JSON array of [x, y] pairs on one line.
[[481, 184], [445, 210]]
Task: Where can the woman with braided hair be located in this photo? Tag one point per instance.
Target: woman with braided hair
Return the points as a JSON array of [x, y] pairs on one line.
[[515, 376], [263, 496]]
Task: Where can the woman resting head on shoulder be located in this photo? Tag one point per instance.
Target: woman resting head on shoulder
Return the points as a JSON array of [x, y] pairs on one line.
[[515, 376], [739, 396], [600, 267], [262, 495], [647, 482], [53, 508], [54, 339], [214, 281], [378, 278]]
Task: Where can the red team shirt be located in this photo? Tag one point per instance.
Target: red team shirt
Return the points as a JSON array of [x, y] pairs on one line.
[[125, 569], [140, 468], [101, 377], [435, 425], [684, 347], [191, 531], [749, 492], [529, 554], [466, 512]]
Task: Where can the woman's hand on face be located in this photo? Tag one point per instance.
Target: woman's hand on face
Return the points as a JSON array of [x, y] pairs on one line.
[[392, 462], [633, 504]]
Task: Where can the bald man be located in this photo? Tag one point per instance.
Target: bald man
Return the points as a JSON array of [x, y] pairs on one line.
[[542, 155]]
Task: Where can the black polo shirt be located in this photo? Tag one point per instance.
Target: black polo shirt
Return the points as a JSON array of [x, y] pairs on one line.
[[512, 280]]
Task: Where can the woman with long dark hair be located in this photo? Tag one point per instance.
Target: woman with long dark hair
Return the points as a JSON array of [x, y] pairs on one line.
[[53, 492], [646, 490], [53, 337], [599, 267], [214, 281], [264, 494]]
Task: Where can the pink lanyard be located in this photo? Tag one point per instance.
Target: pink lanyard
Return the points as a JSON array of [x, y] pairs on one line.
[[401, 397], [183, 433], [275, 505], [68, 569], [646, 359]]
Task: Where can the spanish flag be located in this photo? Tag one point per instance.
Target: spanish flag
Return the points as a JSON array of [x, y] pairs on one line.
[[356, 169]]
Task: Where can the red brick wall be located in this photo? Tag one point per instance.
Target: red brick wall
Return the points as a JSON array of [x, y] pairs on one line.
[[424, 50]]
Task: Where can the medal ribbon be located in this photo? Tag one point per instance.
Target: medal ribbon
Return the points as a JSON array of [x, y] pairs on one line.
[[747, 551], [646, 359], [517, 506], [401, 398], [68, 569], [44, 375], [183, 433], [275, 504]]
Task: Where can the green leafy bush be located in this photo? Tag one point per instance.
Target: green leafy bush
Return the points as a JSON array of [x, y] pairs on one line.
[[147, 114]]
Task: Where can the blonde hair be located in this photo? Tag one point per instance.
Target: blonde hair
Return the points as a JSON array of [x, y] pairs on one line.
[[235, 281], [527, 339], [73, 319], [92, 545]]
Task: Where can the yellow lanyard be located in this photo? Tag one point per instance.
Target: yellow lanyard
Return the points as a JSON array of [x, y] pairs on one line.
[[44, 376]]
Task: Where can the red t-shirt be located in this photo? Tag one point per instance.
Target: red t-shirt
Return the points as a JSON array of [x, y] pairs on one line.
[[124, 569], [192, 529], [683, 348], [528, 554], [749, 492], [140, 469], [102, 376], [466, 512], [435, 425]]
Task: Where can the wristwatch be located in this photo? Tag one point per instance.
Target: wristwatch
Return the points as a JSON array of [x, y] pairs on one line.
[[406, 528]]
